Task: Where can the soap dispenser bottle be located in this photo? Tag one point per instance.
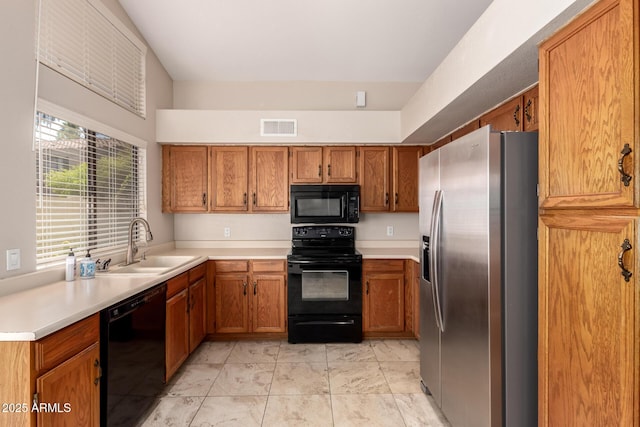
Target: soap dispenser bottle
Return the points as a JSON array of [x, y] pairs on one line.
[[70, 267], [87, 267]]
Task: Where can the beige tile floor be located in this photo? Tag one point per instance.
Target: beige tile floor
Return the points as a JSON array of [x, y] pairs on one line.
[[273, 383]]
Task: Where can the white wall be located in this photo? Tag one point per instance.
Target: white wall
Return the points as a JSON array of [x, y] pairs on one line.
[[243, 127], [17, 160], [248, 230], [298, 95]]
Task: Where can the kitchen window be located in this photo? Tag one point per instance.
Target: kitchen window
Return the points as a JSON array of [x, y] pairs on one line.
[[89, 185]]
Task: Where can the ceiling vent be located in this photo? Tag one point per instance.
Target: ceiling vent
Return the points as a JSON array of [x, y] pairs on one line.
[[278, 127]]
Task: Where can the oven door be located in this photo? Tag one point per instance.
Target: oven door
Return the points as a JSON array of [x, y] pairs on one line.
[[324, 287]]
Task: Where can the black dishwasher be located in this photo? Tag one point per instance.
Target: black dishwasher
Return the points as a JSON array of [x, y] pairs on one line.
[[133, 356]]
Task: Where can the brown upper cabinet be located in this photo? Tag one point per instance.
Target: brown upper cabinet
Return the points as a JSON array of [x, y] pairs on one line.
[[184, 178], [507, 117], [329, 164], [517, 114], [589, 94], [530, 110], [389, 179], [405, 178], [468, 128], [229, 178], [225, 179], [374, 179], [269, 179]]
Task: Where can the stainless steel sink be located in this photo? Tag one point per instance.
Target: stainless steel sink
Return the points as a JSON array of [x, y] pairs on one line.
[[159, 264]]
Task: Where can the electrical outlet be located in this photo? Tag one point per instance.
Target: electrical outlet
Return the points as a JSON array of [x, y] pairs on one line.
[[13, 259], [227, 232], [389, 230]]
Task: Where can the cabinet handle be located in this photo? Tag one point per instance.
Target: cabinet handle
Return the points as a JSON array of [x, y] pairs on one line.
[[625, 247], [254, 199], [396, 198], [328, 170], [319, 170], [244, 199], [204, 199], [516, 117], [386, 199], [367, 288], [625, 177], [244, 288], [527, 112], [255, 287], [96, 364]]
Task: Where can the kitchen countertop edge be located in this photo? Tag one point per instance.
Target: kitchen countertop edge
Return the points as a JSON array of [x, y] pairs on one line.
[[69, 302]]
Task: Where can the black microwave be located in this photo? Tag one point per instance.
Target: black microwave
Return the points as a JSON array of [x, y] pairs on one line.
[[324, 204]]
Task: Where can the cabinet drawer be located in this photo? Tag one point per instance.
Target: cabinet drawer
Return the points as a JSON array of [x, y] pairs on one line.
[[383, 265], [231, 266], [268, 265], [197, 272], [177, 284], [54, 349]]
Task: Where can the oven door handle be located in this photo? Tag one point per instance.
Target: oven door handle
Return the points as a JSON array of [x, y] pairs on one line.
[[326, 322]]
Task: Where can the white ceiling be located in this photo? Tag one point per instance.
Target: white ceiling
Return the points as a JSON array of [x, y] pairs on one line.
[[302, 40]]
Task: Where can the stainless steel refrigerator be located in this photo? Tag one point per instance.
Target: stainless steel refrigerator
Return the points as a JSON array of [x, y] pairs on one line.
[[478, 287]]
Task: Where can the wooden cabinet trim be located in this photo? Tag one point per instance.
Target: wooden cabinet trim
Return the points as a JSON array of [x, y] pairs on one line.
[[54, 349], [177, 284], [197, 272], [275, 265], [232, 266], [382, 265]]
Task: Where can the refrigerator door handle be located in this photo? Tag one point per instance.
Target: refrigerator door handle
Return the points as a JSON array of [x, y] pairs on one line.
[[434, 258]]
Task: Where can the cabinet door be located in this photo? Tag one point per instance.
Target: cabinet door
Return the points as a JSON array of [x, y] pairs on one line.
[[374, 179], [177, 332], [75, 387], [229, 166], [340, 165], [405, 178], [383, 308], [588, 321], [530, 110], [232, 303], [468, 128], [306, 165], [185, 179], [270, 179], [587, 97], [197, 308], [268, 303], [506, 117]]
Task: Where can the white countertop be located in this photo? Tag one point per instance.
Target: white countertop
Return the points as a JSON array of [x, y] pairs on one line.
[[34, 313]]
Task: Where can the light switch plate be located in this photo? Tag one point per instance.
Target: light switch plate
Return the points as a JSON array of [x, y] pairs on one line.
[[13, 259]]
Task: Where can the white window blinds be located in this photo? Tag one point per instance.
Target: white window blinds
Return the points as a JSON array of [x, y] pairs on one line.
[[84, 41], [89, 187]]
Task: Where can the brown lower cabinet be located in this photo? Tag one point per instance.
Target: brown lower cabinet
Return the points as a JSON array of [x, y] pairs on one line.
[[383, 305], [62, 369], [250, 296], [185, 317]]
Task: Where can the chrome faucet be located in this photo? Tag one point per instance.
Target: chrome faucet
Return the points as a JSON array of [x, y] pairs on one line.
[[132, 249]]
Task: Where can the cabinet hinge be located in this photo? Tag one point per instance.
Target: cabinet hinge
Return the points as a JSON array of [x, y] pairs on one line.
[[36, 402], [537, 233], [538, 190]]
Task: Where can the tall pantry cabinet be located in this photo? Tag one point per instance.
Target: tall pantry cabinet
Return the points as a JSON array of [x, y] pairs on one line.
[[589, 282]]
